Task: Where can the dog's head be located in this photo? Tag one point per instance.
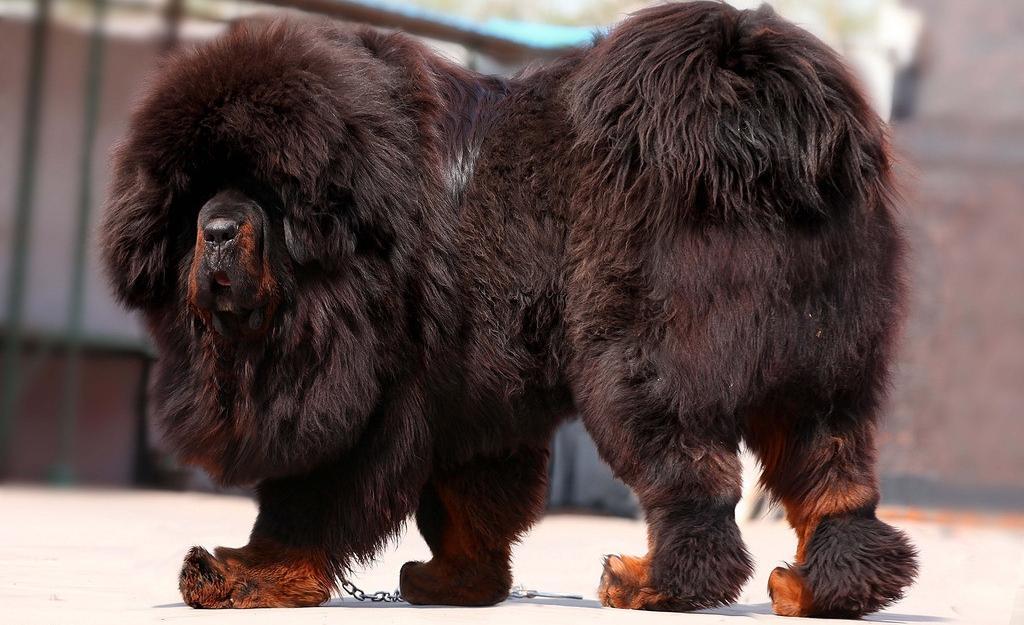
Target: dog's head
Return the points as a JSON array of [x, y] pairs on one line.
[[272, 155], [265, 206]]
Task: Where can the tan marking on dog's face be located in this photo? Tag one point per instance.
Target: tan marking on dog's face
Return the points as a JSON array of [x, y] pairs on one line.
[[193, 275]]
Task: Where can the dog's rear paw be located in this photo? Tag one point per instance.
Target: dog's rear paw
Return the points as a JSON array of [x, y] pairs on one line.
[[789, 593], [624, 584]]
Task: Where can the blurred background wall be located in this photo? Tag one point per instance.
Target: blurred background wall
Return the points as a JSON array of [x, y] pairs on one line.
[[946, 73]]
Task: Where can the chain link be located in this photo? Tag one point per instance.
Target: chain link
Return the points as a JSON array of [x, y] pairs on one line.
[[380, 596], [521, 592], [518, 592]]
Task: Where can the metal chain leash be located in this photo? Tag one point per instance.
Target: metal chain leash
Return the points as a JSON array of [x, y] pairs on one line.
[[521, 592], [381, 596]]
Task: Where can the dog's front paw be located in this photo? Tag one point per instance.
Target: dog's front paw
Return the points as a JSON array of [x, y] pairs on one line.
[[227, 581], [466, 583], [203, 581]]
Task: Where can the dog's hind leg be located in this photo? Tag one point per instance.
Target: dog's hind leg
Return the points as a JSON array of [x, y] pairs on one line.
[[696, 559], [470, 517], [685, 470], [821, 466]]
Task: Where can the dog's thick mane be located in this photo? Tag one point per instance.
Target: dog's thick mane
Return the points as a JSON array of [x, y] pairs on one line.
[[350, 159]]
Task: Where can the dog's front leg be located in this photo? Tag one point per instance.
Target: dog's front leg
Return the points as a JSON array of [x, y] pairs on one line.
[[311, 527], [292, 557]]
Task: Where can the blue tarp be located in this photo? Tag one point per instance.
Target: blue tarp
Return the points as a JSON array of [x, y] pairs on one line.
[[532, 34]]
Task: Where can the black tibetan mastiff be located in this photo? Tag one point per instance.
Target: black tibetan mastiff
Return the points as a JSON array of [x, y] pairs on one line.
[[379, 281]]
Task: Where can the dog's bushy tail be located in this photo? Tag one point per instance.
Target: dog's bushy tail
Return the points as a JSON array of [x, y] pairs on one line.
[[702, 111]]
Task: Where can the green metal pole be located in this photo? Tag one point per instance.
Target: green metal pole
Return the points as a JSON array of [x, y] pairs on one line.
[[63, 470], [21, 230]]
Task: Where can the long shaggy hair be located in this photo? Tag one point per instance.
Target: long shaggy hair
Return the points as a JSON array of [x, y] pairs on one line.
[[377, 283]]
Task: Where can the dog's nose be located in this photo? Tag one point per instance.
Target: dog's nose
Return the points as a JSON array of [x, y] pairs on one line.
[[220, 230]]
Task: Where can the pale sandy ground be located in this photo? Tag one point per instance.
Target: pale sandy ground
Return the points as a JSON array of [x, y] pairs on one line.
[[111, 557]]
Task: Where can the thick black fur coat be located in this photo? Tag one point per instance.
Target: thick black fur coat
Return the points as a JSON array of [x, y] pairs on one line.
[[378, 282]]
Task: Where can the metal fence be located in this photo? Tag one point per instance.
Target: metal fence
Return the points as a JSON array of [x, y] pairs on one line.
[[72, 340], [956, 401], [25, 348]]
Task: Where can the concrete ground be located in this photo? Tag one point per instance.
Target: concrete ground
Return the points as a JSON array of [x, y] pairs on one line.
[[79, 557]]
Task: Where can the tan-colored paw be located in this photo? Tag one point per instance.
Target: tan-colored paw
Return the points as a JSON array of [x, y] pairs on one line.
[[789, 593], [625, 584], [225, 581]]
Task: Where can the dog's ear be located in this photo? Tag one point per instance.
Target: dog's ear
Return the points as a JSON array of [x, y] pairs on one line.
[[136, 238], [372, 161]]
